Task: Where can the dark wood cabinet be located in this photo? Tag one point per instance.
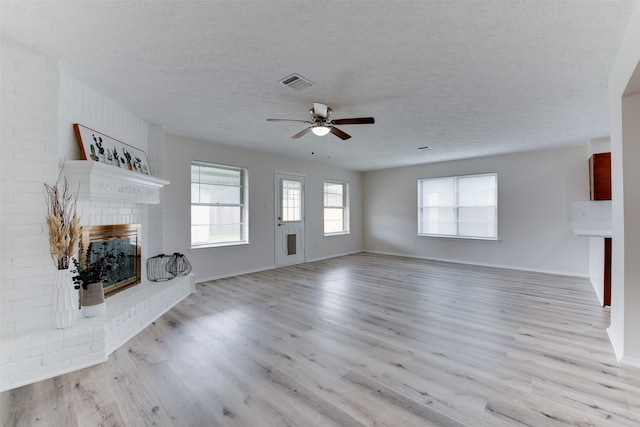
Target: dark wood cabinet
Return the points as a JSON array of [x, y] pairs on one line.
[[600, 176], [607, 272]]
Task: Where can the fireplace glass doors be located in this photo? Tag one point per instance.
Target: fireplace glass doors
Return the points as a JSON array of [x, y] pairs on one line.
[[121, 238]]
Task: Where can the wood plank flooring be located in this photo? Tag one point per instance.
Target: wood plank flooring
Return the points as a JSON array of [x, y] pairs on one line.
[[360, 340]]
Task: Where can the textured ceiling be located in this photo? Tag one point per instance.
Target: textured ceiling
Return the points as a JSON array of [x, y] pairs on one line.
[[466, 78]]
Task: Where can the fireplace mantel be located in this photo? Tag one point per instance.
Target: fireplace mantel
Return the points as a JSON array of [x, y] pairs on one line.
[[99, 181]]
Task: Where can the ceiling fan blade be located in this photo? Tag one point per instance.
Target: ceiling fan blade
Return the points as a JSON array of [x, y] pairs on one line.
[[302, 132], [340, 134], [354, 121], [320, 110], [288, 120]]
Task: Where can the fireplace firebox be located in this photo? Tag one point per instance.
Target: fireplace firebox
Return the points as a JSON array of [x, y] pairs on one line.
[[121, 238]]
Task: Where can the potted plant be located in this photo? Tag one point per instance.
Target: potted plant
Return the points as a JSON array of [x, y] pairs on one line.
[[101, 154], [127, 155], [116, 157], [93, 153], [89, 275], [63, 225]]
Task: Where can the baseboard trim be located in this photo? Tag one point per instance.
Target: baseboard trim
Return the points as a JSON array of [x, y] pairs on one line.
[[631, 361], [269, 267], [479, 264], [614, 345], [335, 256], [233, 274], [620, 357]]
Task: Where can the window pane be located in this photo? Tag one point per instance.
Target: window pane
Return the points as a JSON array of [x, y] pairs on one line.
[[333, 214], [333, 220], [475, 183], [335, 200], [291, 200], [333, 187], [477, 191], [477, 198], [216, 175], [333, 227], [437, 221], [477, 214], [437, 192], [215, 224], [333, 194], [477, 222], [195, 192], [219, 194]]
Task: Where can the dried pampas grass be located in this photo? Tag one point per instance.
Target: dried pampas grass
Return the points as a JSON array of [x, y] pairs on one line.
[[62, 221]]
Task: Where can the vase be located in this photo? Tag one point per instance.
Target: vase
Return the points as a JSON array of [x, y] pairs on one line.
[[93, 300], [65, 300]]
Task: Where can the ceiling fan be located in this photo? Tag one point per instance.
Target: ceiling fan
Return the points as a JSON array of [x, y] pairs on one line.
[[322, 124]]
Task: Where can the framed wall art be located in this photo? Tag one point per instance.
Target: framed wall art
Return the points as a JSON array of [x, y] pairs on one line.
[[101, 148]]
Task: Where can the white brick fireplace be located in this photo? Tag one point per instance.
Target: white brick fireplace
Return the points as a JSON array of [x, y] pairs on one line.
[[43, 353], [40, 103]]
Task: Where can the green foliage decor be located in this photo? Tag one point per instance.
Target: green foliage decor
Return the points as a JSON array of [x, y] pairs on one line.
[[97, 268]]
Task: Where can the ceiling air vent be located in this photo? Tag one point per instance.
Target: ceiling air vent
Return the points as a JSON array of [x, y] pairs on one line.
[[297, 82]]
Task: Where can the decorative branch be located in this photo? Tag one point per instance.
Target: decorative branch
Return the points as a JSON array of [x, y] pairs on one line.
[[62, 221]]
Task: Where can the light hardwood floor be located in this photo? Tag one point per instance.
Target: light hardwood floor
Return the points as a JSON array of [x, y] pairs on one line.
[[358, 340]]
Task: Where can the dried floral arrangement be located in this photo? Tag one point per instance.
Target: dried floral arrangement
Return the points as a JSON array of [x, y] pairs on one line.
[[62, 221]]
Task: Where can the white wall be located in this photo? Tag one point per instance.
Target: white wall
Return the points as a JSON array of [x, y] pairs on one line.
[[631, 176], [625, 175], [535, 191], [260, 253], [155, 215], [29, 157]]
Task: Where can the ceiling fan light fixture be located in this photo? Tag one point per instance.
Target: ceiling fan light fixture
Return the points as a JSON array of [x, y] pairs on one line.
[[320, 130], [322, 124]]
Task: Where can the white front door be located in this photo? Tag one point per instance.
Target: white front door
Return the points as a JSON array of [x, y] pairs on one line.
[[289, 218]]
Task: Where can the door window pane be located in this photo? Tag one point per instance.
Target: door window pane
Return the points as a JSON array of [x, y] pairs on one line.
[[291, 200]]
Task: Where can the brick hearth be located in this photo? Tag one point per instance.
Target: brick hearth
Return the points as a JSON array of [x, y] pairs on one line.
[[47, 352]]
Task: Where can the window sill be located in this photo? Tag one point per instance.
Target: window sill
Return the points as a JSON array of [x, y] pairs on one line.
[[342, 233], [218, 245], [446, 236]]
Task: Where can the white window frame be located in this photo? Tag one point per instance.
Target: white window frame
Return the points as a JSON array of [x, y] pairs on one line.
[[243, 204], [344, 207], [422, 205]]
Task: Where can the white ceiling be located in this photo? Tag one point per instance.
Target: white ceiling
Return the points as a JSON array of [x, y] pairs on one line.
[[467, 78]]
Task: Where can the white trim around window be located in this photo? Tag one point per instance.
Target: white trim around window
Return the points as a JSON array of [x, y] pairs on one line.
[[463, 206], [336, 208], [219, 205]]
